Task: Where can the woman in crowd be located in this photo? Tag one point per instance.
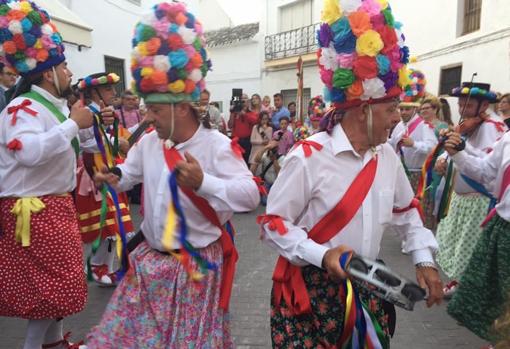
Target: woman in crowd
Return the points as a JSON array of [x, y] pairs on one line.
[[266, 105], [256, 103], [260, 136]]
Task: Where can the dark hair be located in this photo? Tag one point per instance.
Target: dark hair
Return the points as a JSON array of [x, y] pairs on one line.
[[261, 116], [446, 111], [204, 119], [291, 103], [127, 93], [277, 95], [286, 118], [24, 85], [206, 91]]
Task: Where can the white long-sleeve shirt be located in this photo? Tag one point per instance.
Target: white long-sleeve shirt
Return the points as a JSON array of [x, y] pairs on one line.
[[478, 144], [308, 188], [424, 141], [489, 171], [228, 185], [46, 164]]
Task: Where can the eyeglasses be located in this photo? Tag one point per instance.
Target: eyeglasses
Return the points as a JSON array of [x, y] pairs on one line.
[[426, 108], [12, 75]]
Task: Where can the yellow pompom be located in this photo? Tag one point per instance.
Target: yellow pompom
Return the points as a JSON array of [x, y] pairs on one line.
[[331, 11], [142, 49], [413, 59], [147, 71], [403, 77], [38, 44], [465, 91], [369, 44], [384, 4], [25, 7], [177, 86]]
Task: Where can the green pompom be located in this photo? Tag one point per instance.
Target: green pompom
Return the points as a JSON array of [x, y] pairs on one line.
[[4, 10], [35, 17], [19, 56], [182, 74], [343, 78], [145, 32], [197, 44], [390, 20]]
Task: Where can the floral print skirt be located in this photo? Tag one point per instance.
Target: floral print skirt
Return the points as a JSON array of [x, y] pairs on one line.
[[322, 328], [156, 305]]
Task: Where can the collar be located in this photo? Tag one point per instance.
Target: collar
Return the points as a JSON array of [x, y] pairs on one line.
[[58, 102], [340, 143], [191, 140]]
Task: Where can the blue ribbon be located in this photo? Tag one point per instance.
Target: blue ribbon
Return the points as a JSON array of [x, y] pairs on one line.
[[481, 189]]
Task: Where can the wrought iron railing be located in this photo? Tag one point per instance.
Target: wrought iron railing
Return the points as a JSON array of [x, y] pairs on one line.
[[291, 43]]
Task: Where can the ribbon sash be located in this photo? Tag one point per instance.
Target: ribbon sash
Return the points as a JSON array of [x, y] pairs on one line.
[[413, 126], [287, 278], [505, 184], [230, 255], [57, 113]]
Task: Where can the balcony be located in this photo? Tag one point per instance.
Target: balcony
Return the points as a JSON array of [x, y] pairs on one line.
[[297, 42]]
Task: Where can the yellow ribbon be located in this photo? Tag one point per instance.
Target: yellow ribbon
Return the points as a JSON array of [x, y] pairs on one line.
[[23, 209]]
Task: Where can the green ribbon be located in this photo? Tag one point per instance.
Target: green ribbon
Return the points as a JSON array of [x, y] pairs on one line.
[[447, 192], [57, 113]]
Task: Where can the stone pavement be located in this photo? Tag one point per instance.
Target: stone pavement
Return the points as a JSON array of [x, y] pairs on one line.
[[421, 329]]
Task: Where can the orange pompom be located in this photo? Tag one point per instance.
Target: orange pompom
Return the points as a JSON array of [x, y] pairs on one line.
[[190, 86], [153, 46], [15, 15], [181, 18], [146, 85], [10, 47], [197, 60], [175, 42], [355, 90], [159, 78], [42, 55], [360, 22]]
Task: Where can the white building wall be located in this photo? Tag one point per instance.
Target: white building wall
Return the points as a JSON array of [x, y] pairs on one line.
[[237, 66], [113, 22], [212, 15]]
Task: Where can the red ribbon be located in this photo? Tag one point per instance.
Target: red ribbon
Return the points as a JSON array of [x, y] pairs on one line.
[[500, 126], [236, 147], [275, 223], [15, 145], [415, 204], [308, 145], [23, 106], [260, 184]]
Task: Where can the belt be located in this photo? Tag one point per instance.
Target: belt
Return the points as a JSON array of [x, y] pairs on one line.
[[139, 238]]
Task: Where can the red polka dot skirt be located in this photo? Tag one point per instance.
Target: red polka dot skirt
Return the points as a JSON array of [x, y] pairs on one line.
[[45, 280]]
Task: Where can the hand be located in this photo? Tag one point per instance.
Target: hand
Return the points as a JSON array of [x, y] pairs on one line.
[[107, 114], [123, 145], [331, 262], [190, 173], [105, 176], [453, 141], [265, 142], [441, 167], [407, 142], [81, 115], [428, 278]]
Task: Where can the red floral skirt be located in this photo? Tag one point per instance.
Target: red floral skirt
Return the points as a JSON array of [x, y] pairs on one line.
[[45, 280]]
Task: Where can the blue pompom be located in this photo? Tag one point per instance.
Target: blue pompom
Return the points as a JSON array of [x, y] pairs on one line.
[[174, 28], [137, 74], [22, 67], [159, 14], [383, 64], [327, 94], [164, 48], [173, 75], [30, 40], [178, 59], [346, 44], [191, 21], [26, 24], [404, 54], [56, 38], [337, 95], [195, 96], [5, 35]]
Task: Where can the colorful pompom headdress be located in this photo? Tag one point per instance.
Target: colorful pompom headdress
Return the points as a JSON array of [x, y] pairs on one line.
[[29, 42], [479, 91], [169, 61], [316, 108], [362, 55], [414, 91], [96, 80]]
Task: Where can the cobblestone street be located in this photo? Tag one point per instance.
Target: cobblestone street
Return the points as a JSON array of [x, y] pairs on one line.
[[421, 329]]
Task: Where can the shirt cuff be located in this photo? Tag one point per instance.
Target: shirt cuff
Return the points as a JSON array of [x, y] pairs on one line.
[[422, 255], [210, 185], [70, 129], [312, 252]]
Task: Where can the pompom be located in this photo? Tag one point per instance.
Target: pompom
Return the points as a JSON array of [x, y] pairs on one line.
[[177, 86], [188, 35], [360, 22], [178, 59], [373, 89], [369, 44], [15, 27], [162, 63], [331, 11], [349, 6], [343, 78], [195, 75]]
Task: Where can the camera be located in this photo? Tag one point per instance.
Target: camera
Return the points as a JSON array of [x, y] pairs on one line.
[[236, 103], [279, 136]]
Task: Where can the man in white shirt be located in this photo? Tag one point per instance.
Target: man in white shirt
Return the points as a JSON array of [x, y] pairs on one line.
[[337, 192], [459, 231], [413, 138], [99, 90], [41, 269], [194, 172], [485, 285]]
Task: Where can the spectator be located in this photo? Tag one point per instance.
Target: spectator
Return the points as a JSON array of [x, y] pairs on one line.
[[211, 112], [128, 114], [266, 105], [242, 124], [446, 112], [260, 135], [504, 108], [430, 112], [280, 111], [284, 136], [267, 164], [7, 80], [256, 103], [292, 110]]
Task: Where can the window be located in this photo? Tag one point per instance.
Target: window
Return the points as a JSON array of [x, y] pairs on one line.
[[472, 16], [450, 78], [116, 65], [296, 15], [291, 96]]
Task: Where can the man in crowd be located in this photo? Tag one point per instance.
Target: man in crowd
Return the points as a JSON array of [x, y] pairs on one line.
[[128, 114], [211, 112], [241, 123], [279, 111], [8, 79]]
